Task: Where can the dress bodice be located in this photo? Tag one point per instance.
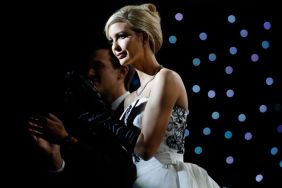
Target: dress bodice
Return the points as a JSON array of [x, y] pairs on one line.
[[173, 141], [166, 169]]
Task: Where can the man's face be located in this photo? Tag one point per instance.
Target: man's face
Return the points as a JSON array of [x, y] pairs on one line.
[[101, 73]]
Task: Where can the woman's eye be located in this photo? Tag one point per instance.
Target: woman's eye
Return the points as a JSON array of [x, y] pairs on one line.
[[122, 36]]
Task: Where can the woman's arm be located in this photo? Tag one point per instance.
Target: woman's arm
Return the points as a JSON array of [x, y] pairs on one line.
[[164, 94]]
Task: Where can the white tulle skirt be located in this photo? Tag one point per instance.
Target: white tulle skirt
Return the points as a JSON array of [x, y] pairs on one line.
[[169, 171]]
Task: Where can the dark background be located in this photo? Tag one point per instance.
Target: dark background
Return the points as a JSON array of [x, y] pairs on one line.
[[44, 40]]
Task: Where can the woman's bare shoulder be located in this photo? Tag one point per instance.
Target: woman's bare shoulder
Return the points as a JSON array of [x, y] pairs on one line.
[[167, 74]]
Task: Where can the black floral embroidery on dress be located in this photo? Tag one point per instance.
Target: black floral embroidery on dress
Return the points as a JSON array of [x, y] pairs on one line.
[[175, 132], [174, 137]]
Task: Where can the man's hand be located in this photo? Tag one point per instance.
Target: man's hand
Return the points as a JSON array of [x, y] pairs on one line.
[[48, 128]]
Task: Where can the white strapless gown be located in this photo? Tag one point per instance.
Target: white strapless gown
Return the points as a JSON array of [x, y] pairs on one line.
[[167, 168]]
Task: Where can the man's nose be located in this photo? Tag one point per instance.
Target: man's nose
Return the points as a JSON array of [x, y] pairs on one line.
[[91, 72]]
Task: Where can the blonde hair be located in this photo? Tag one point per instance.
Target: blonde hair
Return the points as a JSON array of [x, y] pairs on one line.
[[141, 18]]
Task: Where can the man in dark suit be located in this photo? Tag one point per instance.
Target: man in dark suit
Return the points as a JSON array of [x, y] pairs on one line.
[[87, 155]]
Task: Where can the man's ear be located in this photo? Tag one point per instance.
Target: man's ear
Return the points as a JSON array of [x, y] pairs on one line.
[[123, 72]]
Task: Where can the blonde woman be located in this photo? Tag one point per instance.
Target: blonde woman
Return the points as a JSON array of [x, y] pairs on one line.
[[158, 108]]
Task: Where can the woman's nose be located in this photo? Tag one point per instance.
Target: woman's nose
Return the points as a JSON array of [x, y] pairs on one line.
[[116, 47]]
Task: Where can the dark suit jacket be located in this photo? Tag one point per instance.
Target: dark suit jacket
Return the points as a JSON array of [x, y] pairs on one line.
[[97, 159]]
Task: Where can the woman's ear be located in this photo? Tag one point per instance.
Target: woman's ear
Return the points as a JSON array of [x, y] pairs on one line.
[[145, 38]]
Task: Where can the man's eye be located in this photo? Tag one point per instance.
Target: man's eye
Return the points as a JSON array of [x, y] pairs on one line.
[[95, 65]]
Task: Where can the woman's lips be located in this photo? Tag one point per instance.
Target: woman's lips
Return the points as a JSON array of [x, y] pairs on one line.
[[121, 55]]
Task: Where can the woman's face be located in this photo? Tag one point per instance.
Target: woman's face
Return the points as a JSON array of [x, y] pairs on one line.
[[127, 45]]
